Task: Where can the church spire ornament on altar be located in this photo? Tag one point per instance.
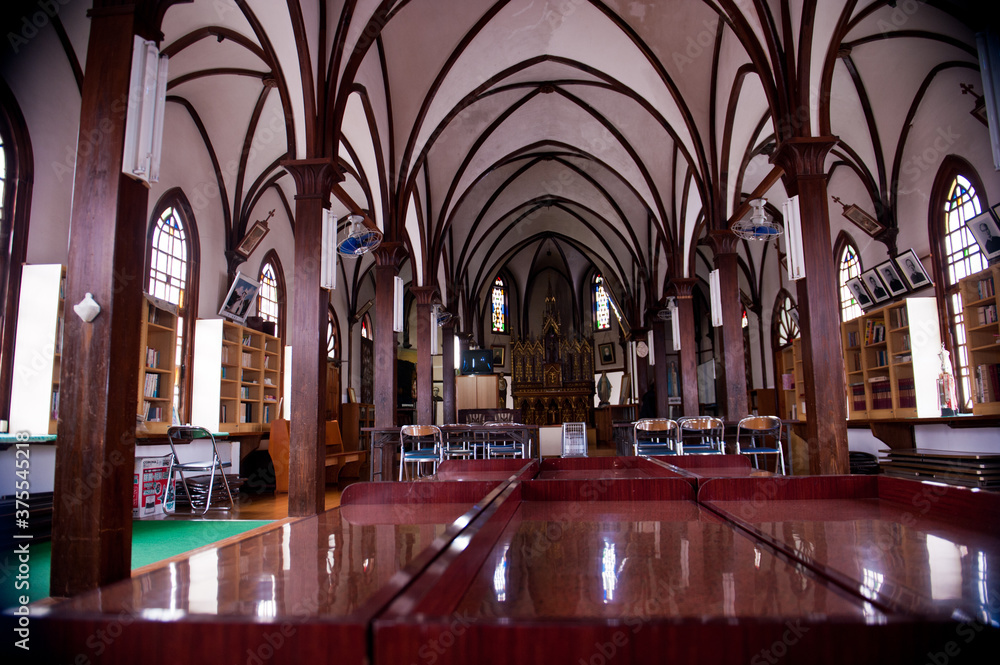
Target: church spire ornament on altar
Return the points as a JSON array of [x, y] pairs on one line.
[[946, 385]]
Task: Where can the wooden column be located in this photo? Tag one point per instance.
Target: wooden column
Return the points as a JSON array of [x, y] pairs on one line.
[[92, 516], [424, 296], [641, 364], [314, 179], [688, 369], [803, 160], [388, 256], [660, 365], [734, 383], [448, 372]]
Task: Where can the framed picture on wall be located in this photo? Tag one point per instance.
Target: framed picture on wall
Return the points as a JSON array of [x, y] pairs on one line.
[[986, 232], [912, 270], [497, 356], [861, 295], [874, 284], [236, 305], [607, 352], [891, 278]]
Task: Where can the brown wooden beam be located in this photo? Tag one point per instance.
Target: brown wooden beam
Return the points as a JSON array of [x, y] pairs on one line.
[[683, 289], [734, 382], [424, 296], [307, 426], [448, 372], [803, 160], [660, 366], [388, 256], [92, 517]]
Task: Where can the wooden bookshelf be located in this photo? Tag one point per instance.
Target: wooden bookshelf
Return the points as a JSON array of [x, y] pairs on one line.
[[790, 383], [237, 372], [891, 361], [34, 399], [979, 307], [157, 371]]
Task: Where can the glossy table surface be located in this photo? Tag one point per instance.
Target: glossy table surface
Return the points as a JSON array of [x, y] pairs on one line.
[[905, 550], [581, 468], [616, 559]]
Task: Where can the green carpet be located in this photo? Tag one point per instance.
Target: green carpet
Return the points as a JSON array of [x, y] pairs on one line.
[[152, 541]]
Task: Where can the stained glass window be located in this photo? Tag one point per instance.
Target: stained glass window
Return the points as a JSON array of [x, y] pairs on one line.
[[850, 267], [267, 296], [499, 304], [602, 305], [366, 327], [962, 258]]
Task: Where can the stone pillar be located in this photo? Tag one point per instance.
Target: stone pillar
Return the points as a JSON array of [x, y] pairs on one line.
[[388, 256], [314, 179], [424, 296], [448, 372], [688, 369], [734, 383], [803, 160]]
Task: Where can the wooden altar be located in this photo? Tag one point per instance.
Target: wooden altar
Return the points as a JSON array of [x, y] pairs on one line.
[[553, 376]]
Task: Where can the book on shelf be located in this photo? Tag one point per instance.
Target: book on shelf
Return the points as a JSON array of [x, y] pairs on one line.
[[267, 413], [874, 332], [152, 357], [225, 354], [856, 360], [881, 357], [985, 288], [222, 414], [788, 382], [59, 335], [152, 386], [907, 393], [54, 405], [986, 314], [881, 392], [900, 317], [858, 396], [247, 359], [987, 383], [903, 358], [853, 339]]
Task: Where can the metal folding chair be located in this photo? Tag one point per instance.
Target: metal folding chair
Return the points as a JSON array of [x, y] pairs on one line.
[[419, 444], [497, 446], [756, 430], [187, 434], [703, 435], [655, 436]]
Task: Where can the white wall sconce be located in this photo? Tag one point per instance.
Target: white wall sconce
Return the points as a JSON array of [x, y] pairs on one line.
[[675, 323], [328, 260], [397, 304], [650, 355], [87, 309], [715, 293], [793, 238], [147, 96]]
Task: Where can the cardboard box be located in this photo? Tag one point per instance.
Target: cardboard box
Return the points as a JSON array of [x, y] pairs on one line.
[[152, 491]]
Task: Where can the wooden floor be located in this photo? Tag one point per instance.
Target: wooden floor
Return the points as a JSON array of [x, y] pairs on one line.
[[259, 507]]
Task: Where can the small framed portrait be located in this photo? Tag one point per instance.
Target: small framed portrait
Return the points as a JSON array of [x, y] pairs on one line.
[[236, 304], [891, 278], [876, 288], [912, 270], [497, 356], [253, 237], [861, 295], [985, 230], [607, 352]]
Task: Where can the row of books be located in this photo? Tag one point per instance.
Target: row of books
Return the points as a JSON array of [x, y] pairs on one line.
[[905, 342], [152, 386], [874, 332], [152, 413], [907, 393], [246, 412], [987, 314], [985, 288], [881, 357], [152, 357], [856, 362], [987, 383], [267, 413], [881, 392], [858, 397], [900, 317], [247, 359], [853, 339], [54, 406], [244, 392]]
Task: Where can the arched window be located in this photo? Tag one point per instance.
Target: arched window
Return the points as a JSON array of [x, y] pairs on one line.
[[171, 256], [848, 267], [498, 302], [271, 296], [331, 335], [602, 304], [786, 322], [366, 327], [961, 257]]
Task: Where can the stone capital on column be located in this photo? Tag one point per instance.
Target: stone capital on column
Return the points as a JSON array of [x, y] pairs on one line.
[[424, 295], [314, 178], [724, 242], [683, 288], [389, 254], [804, 157]]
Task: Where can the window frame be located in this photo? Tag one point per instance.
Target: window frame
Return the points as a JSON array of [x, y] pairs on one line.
[[594, 286], [501, 283], [846, 242], [951, 167], [176, 199], [271, 257]]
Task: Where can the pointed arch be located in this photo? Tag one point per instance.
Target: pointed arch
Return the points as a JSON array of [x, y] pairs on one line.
[[848, 258], [272, 296]]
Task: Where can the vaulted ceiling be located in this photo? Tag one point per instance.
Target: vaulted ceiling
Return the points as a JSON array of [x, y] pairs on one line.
[[480, 131]]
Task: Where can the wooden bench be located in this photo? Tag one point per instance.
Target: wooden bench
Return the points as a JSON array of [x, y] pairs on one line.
[[337, 459]]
